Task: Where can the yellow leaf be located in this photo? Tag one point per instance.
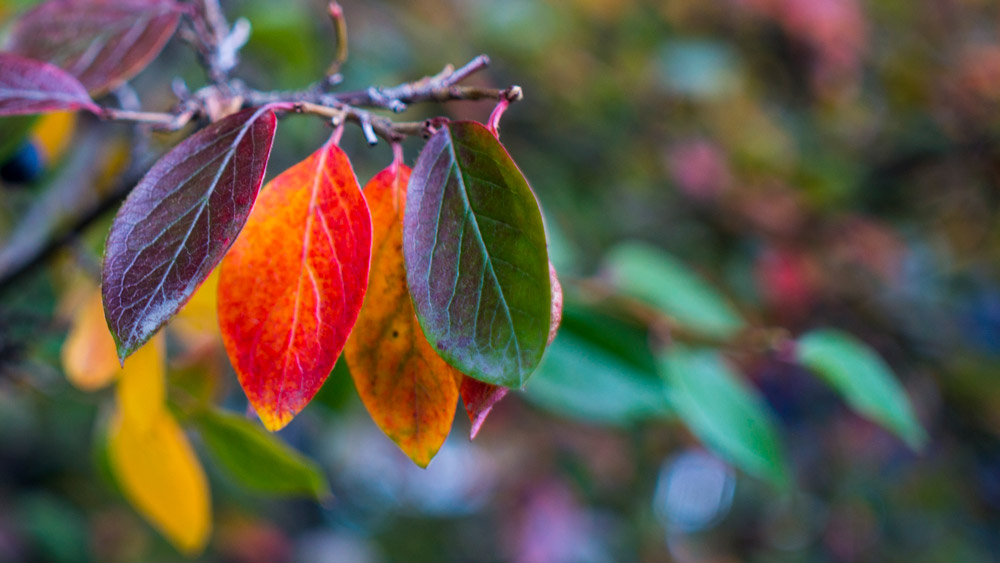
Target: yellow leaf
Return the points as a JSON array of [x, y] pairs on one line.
[[142, 385], [162, 478], [89, 357], [197, 324], [53, 132]]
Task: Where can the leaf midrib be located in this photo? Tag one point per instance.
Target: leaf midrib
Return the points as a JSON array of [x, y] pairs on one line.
[[463, 190]]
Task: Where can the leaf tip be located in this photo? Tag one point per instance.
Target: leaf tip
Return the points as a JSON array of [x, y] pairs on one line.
[[325, 498], [123, 351], [916, 437], [273, 420], [422, 460]]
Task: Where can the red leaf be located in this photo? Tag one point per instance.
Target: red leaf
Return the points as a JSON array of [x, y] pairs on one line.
[[292, 285], [101, 42], [479, 398], [29, 86], [179, 221]]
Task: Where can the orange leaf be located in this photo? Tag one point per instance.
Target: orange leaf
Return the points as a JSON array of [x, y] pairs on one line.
[[89, 356], [409, 390], [161, 477], [292, 285]]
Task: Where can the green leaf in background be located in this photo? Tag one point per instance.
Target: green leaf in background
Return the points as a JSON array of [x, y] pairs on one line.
[[582, 381], [599, 369], [863, 378], [725, 413], [256, 459], [649, 274], [13, 130]]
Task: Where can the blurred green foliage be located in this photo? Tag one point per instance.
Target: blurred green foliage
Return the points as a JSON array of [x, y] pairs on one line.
[[821, 163]]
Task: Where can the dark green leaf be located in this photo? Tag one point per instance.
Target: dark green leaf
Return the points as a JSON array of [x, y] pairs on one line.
[[476, 260], [654, 276], [258, 460], [865, 381], [724, 412]]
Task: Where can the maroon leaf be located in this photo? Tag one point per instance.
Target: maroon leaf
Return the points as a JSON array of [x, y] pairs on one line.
[[29, 86], [178, 222], [479, 398], [101, 42]]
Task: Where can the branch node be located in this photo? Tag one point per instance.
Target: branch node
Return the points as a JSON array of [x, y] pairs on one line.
[[366, 128]]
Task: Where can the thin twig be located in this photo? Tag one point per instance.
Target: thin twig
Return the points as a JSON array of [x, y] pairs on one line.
[[339, 38]]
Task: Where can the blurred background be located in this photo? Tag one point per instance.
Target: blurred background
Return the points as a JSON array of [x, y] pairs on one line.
[[821, 163]]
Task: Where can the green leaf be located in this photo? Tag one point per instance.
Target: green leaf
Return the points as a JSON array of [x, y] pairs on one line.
[[599, 369], [257, 459], [865, 381], [476, 260], [649, 274], [580, 380], [724, 412]]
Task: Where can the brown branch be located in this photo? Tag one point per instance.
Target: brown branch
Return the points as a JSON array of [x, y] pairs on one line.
[[342, 107], [218, 45]]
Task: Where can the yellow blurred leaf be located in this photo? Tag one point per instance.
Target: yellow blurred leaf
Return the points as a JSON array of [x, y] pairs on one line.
[[142, 384], [53, 132], [197, 324], [89, 357], [162, 478]]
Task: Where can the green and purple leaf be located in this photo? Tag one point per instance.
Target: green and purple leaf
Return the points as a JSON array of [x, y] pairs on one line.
[[102, 43], [28, 86], [178, 222], [476, 260]]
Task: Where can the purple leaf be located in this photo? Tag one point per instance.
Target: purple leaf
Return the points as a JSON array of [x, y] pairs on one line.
[[178, 222], [101, 42], [28, 86], [476, 261]]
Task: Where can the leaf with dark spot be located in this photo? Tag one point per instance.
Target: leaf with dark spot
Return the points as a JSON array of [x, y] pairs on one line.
[[409, 390]]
